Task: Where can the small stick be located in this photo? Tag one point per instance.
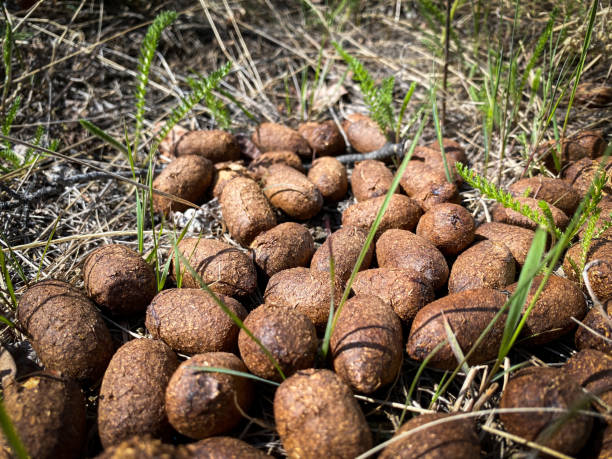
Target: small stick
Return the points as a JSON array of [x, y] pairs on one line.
[[465, 388], [485, 396], [386, 151], [399, 406]]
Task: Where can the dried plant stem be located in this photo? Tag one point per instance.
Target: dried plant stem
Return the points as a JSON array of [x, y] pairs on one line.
[[523, 441]]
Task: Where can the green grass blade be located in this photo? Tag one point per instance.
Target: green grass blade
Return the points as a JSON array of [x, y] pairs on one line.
[[7, 321], [287, 97], [378, 99], [528, 272], [49, 239], [330, 318], [317, 75], [227, 310], [415, 380], [103, 135], [201, 88], [140, 221], [161, 281], [303, 92], [239, 104], [402, 111], [438, 393], [578, 73], [540, 45], [454, 345], [439, 136], [7, 56], [229, 371], [370, 238], [7, 280], [510, 370], [11, 434]]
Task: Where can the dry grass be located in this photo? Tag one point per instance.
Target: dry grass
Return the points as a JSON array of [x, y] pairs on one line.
[[78, 60]]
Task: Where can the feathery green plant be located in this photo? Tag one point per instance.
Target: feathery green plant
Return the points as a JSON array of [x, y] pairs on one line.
[[10, 117], [147, 52], [7, 153], [12, 159], [200, 88], [585, 243], [492, 191], [217, 108], [145, 59], [546, 265], [604, 227], [379, 99]]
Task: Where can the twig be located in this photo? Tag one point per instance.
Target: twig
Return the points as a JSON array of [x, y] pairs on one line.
[[399, 406], [387, 151], [485, 396]]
